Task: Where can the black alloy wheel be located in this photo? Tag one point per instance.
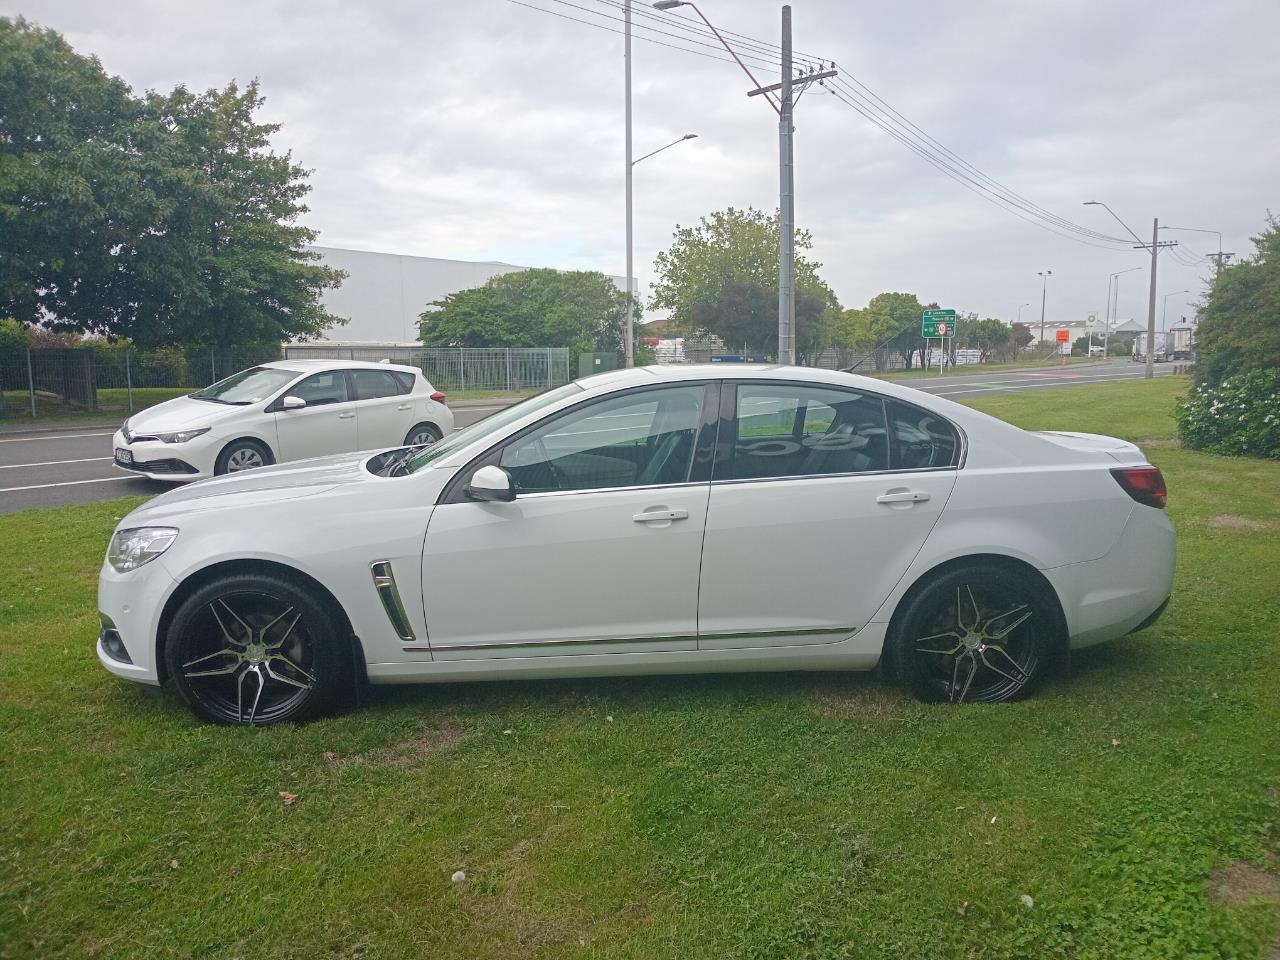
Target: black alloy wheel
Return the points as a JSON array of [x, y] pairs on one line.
[[977, 634], [253, 650]]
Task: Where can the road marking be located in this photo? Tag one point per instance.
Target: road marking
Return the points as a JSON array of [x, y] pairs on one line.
[[1027, 386], [52, 463], [58, 436], [65, 483]]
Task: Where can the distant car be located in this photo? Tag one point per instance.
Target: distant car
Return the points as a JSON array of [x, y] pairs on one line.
[[276, 412], [658, 520]]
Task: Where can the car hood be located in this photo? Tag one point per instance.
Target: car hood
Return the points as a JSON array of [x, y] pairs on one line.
[[180, 413], [301, 478]]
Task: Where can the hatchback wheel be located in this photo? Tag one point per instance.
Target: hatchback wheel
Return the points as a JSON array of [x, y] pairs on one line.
[[422, 435], [253, 650], [242, 455], [977, 634]]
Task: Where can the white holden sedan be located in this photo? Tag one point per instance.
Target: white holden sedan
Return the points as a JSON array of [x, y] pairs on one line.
[[288, 410], [673, 519]]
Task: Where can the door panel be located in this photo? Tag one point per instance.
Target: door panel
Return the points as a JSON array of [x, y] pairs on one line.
[[560, 567], [385, 409], [326, 425]]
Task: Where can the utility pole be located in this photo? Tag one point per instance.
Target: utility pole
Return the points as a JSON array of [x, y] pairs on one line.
[[1044, 288], [786, 205], [1151, 301], [629, 336]]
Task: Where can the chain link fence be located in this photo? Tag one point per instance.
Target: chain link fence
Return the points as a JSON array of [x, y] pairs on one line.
[[109, 381]]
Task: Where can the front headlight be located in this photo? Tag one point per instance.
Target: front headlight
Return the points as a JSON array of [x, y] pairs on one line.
[[182, 436], [132, 548]]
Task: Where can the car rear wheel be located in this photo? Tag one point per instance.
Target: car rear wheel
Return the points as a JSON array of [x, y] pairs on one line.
[[242, 455], [254, 650], [976, 634], [422, 435]]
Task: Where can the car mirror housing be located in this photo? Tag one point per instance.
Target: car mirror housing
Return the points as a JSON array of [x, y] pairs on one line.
[[491, 484], [292, 403]]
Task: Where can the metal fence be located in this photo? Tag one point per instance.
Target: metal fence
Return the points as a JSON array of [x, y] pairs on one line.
[[113, 381]]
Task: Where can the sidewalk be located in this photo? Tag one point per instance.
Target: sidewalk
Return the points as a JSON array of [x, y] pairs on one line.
[[17, 425]]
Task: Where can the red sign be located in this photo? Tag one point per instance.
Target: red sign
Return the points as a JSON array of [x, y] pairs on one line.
[[1064, 336]]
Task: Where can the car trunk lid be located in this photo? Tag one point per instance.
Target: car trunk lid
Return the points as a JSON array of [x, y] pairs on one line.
[[1122, 451]]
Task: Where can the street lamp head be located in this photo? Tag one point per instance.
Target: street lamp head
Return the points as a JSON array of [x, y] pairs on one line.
[[668, 4], [1092, 203], [690, 136]]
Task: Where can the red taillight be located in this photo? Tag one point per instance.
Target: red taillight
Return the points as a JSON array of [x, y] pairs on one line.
[[438, 397], [1144, 484]]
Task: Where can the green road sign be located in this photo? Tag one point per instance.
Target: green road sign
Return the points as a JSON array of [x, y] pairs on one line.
[[939, 323]]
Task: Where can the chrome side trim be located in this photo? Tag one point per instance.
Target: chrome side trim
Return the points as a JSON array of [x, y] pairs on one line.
[[749, 635], [384, 581]]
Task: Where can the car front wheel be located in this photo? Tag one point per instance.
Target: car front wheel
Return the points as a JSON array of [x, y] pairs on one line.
[[254, 650], [242, 455], [422, 435], [976, 634]]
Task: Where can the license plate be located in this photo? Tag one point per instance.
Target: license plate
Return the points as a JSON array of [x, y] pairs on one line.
[[124, 456]]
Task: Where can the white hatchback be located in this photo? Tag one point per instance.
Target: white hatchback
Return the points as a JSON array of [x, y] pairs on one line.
[[288, 410], [676, 519]]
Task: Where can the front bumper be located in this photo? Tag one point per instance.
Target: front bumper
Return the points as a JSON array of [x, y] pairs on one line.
[[129, 605], [157, 460]]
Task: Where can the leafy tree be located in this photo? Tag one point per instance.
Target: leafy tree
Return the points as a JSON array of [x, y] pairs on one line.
[[1021, 335], [579, 309], [73, 199], [721, 277], [1239, 321], [988, 336], [13, 335]]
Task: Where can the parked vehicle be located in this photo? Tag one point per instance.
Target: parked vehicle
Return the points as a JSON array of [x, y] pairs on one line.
[[288, 410], [656, 520]]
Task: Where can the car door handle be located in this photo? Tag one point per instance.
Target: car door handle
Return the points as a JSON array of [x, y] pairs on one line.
[[903, 496], [649, 516], [346, 416], [405, 406]]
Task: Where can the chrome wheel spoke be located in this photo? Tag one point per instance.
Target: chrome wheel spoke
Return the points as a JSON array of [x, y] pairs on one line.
[[248, 630], [256, 670], [287, 630], [973, 605], [949, 635], [955, 678], [1018, 676], [1008, 627], [213, 671], [274, 675]]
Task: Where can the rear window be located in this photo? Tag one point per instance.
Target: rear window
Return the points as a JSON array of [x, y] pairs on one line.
[[920, 440]]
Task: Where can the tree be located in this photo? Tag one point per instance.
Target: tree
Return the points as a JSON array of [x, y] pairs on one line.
[[579, 309], [987, 336], [163, 219], [721, 278], [1020, 335], [1239, 321]]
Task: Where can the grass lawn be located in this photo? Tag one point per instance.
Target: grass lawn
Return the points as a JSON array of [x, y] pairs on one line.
[[1024, 363], [1137, 803]]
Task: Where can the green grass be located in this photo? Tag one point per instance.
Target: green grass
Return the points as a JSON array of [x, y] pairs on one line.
[[113, 402], [1023, 363], [739, 816]]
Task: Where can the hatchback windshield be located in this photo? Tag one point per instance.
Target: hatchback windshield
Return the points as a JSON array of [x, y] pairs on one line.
[[247, 386], [488, 425]]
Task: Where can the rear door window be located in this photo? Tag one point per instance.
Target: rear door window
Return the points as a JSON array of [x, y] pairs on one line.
[[920, 440]]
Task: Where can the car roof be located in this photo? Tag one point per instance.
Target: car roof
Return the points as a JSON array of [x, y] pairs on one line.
[[312, 366]]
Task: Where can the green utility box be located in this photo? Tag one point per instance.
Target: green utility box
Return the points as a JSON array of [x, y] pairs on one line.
[[589, 363]]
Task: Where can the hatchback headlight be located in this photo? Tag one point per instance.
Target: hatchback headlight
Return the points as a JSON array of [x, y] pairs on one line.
[[182, 436], [132, 548]]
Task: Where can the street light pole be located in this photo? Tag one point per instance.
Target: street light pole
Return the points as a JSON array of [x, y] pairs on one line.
[[1164, 308], [1113, 300], [786, 203], [629, 338], [1218, 258], [1044, 287]]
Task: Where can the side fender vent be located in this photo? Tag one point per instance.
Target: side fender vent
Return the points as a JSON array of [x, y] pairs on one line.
[[384, 581]]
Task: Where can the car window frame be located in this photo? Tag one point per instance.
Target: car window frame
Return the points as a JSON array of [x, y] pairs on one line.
[[277, 405], [354, 391], [728, 434], [700, 463]]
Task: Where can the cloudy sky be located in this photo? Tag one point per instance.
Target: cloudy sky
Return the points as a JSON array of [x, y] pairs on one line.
[[487, 130]]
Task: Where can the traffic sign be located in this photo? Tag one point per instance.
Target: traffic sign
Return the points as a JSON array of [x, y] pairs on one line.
[[938, 323], [1064, 336], [1091, 320]]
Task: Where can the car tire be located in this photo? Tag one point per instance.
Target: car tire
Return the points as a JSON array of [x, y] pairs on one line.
[[242, 455], [422, 434], [255, 649], [978, 633]]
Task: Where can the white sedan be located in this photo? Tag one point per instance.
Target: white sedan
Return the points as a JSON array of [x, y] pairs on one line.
[[672, 519], [288, 410]]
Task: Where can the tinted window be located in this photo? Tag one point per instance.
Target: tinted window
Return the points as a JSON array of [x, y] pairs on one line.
[[635, 439], [794, 430], [919, 439], [373, 384], [322, 388]]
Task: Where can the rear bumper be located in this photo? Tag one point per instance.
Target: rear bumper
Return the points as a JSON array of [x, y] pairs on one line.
[[1124, 591]]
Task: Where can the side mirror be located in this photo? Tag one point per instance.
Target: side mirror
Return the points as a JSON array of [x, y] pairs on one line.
[[491, 484], [292, 403]]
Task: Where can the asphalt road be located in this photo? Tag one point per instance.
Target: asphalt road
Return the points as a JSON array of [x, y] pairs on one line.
[[74, 466]]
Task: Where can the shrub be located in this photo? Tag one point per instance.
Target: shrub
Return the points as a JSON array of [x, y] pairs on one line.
[[1240, 417]]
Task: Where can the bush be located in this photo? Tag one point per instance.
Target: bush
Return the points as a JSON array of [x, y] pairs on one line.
[[1241, 417]]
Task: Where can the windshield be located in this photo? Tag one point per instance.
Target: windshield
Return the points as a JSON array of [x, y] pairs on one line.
[[488, 425], [247, 386]]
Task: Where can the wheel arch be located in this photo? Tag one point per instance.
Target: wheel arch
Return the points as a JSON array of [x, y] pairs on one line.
[[1000, 560], [197, 579]]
